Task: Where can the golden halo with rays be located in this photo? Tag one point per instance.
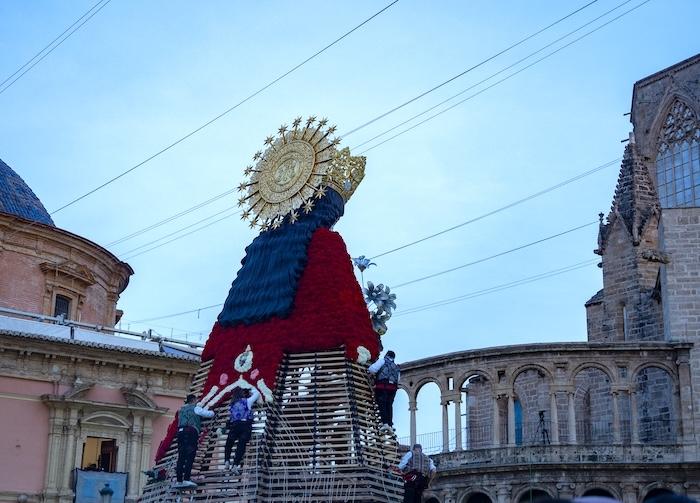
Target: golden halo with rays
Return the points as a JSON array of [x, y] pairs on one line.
[[294, 169]]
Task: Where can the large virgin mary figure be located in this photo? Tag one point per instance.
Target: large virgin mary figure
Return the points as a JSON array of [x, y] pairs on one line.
[[296, 290]]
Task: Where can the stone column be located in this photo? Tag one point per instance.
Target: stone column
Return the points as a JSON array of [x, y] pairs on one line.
[[133, 467], [511, 419], [496, 423], [69, 463], [554, 415], [458, 423], [686, 400], [634, 417], [445, 427], [572, 419], [565, 491], [503, 494], [629, 493], [616, 419], [54, 448], [412, 407]]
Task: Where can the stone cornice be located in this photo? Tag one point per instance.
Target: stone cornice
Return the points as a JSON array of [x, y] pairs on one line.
[[546, 348], [97, 353], [63, 401], [12, 228]]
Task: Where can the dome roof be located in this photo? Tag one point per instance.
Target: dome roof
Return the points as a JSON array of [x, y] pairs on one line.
[[18, 199]]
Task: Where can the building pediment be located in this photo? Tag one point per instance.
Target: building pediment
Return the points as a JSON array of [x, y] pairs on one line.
[[70, 270]]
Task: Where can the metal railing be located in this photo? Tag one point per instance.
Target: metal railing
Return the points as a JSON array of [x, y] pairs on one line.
[[651, 431], [60, 327]]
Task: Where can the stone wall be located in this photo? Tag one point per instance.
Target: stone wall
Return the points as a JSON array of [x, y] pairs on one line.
[[680, 279]]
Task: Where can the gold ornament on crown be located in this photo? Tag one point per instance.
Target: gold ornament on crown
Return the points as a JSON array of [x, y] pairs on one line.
[[295, 169]]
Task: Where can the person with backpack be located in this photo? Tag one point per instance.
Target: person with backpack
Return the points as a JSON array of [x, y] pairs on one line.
[[386, 383], [189, 424], [418, 472], [240, 425]]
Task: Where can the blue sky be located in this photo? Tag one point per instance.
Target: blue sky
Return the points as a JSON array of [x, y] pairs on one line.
[[140, 75]]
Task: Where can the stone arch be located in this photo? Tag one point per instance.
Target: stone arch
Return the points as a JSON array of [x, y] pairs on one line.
[[593, 404], [662, 112], [653, 490], [671, 370], [600, 366], [401, 411], [538, 494], [428, 396], [531, 392], [463, 376], [477, 495], [657, 404], [416, 387], [525, 368], [601, 490], [105, 418], [477, 402]]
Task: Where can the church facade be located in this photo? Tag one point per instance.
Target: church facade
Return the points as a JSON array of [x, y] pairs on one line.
[[80, 400], [619, 415]]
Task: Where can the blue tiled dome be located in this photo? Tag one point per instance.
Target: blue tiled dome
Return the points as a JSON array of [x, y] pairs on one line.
[[18, 199]]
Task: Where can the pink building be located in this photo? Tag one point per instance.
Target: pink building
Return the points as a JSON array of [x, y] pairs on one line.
[[81, 402]]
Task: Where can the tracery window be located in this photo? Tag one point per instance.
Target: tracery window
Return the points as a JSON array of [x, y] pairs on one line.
[[678, 158]]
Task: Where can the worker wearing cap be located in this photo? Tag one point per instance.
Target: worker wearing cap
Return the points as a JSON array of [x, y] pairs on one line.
[[188, 427], [418, 472]]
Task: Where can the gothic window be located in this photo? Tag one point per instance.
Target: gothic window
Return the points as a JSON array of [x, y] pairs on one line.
[[678, 158]]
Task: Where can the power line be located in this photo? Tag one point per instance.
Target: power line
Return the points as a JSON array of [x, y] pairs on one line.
[[173, 315], [505, 78], [432, 108], [31, 63], [180, 237], [381, 116], [222, 114], [497, 288], [491, 257], [479, 64], [490, 76], [225, 210], [198, 309], [171, 218], [503, 208]]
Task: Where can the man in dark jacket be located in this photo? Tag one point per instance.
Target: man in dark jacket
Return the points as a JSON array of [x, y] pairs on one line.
[[386, 382], [188, 427]]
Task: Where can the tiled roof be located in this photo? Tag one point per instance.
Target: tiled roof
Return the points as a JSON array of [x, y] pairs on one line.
[[96, 345], [18, 199]]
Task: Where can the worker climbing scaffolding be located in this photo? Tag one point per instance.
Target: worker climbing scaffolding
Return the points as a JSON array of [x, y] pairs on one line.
[[295, 330]]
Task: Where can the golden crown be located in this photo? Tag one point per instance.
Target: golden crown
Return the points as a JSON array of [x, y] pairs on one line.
[[296, 168]]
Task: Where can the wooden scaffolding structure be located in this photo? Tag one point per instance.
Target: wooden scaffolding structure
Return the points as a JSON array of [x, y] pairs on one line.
[[319, 441]]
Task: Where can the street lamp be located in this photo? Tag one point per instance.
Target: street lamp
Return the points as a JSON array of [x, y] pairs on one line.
[[106, 493]]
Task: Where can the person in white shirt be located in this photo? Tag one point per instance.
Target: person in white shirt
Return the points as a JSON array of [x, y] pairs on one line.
[[418, 472], [240, 425], [189, 424], [386, 383]]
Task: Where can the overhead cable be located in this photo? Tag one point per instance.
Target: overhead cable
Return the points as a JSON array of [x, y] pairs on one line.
[[505, 78], [173, 315], [502, 208], [39, 56], [198, 309], [225, 210], [222, 114], [180, 237], [489, 77], [497, 288], [171, 218], [500, 254], [477, 65]]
